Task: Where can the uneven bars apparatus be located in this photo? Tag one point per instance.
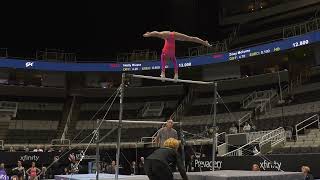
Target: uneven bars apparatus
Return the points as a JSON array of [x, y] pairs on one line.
[[122, 86]]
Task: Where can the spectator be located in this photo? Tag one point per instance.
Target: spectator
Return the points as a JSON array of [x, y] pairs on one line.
[[38, 149], [66, 171], [306, 172], [253, 128], [72, 157], [189, 164], [255, 167], [33, 172], [111, 169], [61, 149], [3, 173], [166, 133], [134, 168], [12, 149], [19, 171], [233, 129], [104, 166], [74, 167], [50, 149], [26, 149], [44, 174], [141, 166], [246, 128]]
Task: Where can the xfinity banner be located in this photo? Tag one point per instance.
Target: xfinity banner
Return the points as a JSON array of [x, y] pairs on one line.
[[290, 162], [11, 158]]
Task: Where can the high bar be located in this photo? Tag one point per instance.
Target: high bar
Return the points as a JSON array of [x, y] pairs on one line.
[[137, 122], [169, 79]]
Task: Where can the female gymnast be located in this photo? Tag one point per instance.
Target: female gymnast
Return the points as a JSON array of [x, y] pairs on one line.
[[19, 171], [163, 161], [33, 172], [168, 51]]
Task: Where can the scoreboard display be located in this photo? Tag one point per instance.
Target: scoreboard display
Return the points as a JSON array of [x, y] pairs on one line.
[[274, 47], [239, 54]]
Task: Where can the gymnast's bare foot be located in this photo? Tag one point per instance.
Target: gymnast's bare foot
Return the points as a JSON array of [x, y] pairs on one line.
[[176, 76], [163, 75]]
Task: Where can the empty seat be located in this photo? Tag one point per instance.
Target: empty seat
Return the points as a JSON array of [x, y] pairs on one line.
[[317, 142], [298, 144]]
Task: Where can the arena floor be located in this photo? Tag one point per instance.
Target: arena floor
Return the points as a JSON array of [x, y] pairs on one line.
[[206, 175]]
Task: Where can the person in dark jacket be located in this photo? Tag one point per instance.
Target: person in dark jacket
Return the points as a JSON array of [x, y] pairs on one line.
[[306, 171], [163, 161], [141, 166]]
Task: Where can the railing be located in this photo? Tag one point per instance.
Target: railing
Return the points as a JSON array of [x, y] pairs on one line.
[[248, 99], [245, 118], [240, 151], [217, 138], [254, 135], [301, 28], [59, 142], [313, 119], [202, 50], [268, 97], [148, 140], [271, 136], [262, 96], [65, 130], [181, 107], [137, 55], [56, 55], [153, 108], [216, 46], [8, 106], [276, 136]]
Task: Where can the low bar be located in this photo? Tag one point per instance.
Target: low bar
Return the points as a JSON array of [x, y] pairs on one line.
[[137, 122]]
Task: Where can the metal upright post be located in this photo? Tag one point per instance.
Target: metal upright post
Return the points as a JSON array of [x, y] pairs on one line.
[[214, 123], [182, 145], [97, 152], [122, 86]]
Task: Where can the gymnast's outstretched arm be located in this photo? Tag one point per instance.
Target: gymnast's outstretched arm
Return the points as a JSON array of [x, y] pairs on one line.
[[162, 34], [182, 37]]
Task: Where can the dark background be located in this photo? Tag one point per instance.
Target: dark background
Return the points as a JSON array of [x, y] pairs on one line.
[[101, 29]]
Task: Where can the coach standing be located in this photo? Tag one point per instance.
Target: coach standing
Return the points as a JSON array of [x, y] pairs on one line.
[[166, 133]]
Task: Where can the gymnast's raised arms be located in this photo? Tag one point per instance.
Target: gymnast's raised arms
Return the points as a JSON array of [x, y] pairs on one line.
[[177, 36]]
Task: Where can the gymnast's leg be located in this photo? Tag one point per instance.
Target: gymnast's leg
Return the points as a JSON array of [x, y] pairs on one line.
[[176, 67], [163, 65]]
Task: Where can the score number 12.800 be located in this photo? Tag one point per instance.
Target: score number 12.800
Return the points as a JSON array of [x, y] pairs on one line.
[[300, 43]]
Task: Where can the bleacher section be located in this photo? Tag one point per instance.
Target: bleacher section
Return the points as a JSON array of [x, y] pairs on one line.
[[38, 122], [309, 143], [34, 123]]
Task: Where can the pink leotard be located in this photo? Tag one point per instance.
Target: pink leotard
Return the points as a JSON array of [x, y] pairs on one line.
[[168, 52], [33, 172]]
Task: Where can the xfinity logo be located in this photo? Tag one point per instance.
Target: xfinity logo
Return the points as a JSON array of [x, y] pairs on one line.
[[207, 164], [29, 64], [29, 158], [270, 165]]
